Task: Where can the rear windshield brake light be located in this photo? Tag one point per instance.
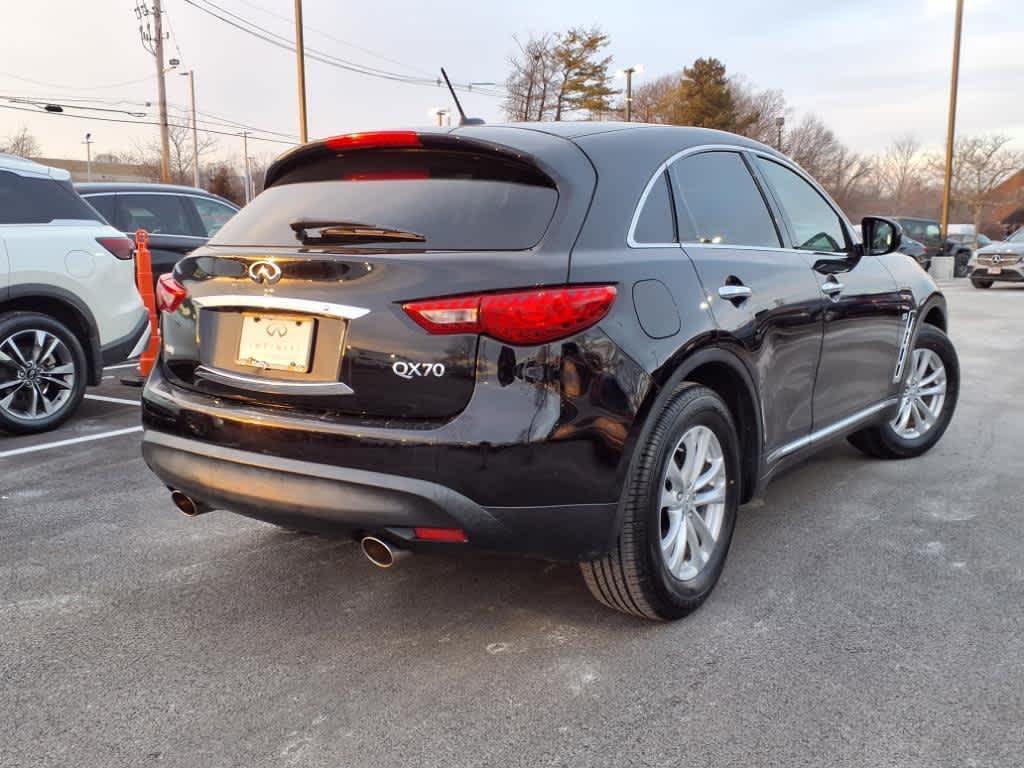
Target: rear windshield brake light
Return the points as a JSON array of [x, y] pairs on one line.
[[374, 140]]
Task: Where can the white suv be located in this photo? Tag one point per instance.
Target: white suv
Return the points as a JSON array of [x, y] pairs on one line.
[[68, 301]]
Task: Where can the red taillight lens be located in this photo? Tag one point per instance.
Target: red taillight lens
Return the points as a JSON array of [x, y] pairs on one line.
[[169, 293], [121, 247], [373, 140], [535, 316], [455, 535]]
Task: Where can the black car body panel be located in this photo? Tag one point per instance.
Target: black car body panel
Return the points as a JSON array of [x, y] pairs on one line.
[[526, 447]]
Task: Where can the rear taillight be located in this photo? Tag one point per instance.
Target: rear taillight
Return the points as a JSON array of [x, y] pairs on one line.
[[534, 316], [169, 293], [121, 247], [374, 140]]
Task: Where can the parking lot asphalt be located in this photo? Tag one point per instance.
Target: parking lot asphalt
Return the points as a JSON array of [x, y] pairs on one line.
[[870, 614]]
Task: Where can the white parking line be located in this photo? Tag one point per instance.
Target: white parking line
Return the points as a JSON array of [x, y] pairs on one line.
[[70, 441], [105, 399], [121, 365]]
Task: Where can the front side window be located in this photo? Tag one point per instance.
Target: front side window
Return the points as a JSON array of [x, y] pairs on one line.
[[32, 200], [720, 202], [816, 225], [214, 215], [157, 214], [657, 221]]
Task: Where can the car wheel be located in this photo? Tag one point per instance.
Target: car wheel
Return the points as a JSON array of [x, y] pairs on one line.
[[926, 405], [678, 511], [978, 283], [42, 373]]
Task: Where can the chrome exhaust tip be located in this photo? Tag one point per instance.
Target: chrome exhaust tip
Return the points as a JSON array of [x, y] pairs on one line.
[[188, 506], [380, 553]]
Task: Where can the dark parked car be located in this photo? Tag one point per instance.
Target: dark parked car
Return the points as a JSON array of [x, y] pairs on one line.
[[927, 232], [178, 219], [916, 251], [587, 342]]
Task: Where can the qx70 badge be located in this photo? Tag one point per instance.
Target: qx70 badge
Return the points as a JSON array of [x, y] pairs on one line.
[[412, 370]]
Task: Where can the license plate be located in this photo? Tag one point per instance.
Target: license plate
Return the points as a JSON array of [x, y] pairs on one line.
[[995, 270], [276, 342]]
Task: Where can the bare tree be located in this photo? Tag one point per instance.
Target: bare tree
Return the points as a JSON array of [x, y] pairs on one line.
[[21, 143], [980, 165], [147, 156], [649, 98], [758, 109], [900, 170], [531, 82]]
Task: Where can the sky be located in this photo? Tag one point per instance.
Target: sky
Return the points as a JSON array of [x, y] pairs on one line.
[[872, 69]]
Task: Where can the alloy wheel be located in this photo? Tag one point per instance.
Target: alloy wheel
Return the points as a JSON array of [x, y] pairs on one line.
[[692, 502], [923, 396], [37, 375]]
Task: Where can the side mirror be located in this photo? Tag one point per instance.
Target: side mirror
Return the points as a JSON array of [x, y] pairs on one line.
[[880, 236]]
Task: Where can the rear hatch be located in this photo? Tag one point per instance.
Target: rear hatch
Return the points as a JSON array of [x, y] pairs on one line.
[[297, 302]]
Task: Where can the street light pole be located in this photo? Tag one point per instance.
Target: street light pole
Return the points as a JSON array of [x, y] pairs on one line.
[[88, 156], [629, 93], [161, 90], [245, 155], [300, 63], [195, 131], [779, 122], [951, 126]]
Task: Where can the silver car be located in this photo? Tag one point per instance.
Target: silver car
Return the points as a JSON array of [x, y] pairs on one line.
[[1002, 261]]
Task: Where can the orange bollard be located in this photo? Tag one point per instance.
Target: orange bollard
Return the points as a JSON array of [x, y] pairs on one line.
[[144, 282]]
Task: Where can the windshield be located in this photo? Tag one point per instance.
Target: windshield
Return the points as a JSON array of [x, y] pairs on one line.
[[1016, 237]]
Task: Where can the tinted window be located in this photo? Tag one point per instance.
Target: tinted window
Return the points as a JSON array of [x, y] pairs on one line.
[[816, 226], [104, 204], [27, 200], [214, 215], [454, 200], [722, 201], [657, 219], [157, 214]]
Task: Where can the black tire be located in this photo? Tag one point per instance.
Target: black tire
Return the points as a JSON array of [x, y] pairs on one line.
[[633, 577], [882, 440], [16, 322], [981, 283]]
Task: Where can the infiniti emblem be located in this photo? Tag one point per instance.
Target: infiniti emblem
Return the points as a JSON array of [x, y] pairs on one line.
[[265, 272], [277, 329]]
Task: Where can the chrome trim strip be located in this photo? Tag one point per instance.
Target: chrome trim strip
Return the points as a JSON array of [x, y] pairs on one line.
[[901, 358], [830, 430], [281, 303], [225, 203], [275, 386]]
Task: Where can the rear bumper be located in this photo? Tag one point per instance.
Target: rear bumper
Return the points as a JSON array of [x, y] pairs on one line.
[[327, 498]]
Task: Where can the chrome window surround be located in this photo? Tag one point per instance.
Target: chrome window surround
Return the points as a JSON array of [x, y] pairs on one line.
[[632, 243]]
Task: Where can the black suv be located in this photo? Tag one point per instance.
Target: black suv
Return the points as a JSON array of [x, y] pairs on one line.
[[177, 219], [927, 232], [587, 342]]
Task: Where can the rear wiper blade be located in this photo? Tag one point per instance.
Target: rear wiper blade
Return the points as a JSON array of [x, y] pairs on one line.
[[313, 232]]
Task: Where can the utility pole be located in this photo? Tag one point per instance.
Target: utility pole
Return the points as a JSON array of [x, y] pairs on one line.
[[88, 156], [629, 93], [951, 126], [300, 64], [195, 131], [779, 122], [248, 176], [153, 41]]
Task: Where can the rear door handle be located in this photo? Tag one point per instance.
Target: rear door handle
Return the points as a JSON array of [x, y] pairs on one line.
[[832, 287], [735, 293]]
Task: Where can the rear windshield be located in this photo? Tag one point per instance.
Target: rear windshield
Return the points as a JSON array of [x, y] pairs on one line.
[[32, 200], [454, 200]]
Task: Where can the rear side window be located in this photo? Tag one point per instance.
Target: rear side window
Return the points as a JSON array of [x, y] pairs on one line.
[[157, 214], [29, 200], [212, 214], [722, 202], [657, 221], [816, 225], [104, 204], [449, 200]]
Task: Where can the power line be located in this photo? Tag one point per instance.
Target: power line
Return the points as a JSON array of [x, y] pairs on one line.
[[139, 122], [284, 43], [74, 88]]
